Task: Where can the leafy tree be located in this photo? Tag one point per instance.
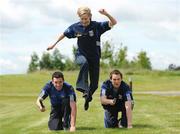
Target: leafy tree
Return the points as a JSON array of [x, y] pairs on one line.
[[70, 65], [107, 54], [34, 63], [143, 61], [134, 64], [121, 60], [46, 62], [74, 51], [173, 67], [57, 60], [108, 59]]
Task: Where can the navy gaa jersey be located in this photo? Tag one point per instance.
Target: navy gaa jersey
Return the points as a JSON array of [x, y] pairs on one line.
[[121, 95], [88, 37], [56, 96]]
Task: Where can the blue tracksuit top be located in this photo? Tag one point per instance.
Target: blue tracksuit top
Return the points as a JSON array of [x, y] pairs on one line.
[[55, 95], [122, 94], [88, 38]]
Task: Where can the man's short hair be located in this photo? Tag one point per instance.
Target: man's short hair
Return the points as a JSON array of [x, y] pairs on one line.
[[117, 72], [57, 75]]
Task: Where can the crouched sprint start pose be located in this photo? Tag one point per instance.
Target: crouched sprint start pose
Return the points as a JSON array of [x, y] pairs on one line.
[[63, 103], [116, 96]]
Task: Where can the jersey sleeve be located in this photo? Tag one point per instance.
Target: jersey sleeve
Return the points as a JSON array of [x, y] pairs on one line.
[[128, 96], [69, 32], [103, 27], [44, 92], [72, 94], [103, 90]]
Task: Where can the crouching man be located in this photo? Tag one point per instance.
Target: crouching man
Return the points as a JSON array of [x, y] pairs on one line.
[[63, 103], [116, 96]]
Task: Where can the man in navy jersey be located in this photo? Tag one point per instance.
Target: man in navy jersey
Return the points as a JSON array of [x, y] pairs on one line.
[[116, 96], [63, 103], [88, 54]]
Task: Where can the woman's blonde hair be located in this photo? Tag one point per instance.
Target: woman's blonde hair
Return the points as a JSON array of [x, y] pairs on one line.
[[84, 10]]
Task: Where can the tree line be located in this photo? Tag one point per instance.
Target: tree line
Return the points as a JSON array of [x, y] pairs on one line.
[[109, 58]]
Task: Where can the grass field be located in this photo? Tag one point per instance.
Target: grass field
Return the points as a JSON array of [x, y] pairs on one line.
[[153, 114]]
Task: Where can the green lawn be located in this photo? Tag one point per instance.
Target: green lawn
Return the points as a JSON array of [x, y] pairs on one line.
[[153, 114]]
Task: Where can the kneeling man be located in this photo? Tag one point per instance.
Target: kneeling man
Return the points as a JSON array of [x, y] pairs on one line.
[[116, 96]]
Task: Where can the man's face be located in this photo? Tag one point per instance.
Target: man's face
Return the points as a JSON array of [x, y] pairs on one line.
[[116, 80], [58, 83], [85, 19]]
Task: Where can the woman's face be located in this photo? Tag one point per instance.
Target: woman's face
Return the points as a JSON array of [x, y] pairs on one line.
[[85, 19]]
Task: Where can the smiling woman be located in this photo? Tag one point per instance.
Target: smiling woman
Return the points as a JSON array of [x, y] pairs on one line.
[[85, 15]]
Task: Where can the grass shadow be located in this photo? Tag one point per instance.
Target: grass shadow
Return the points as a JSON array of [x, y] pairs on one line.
[[139, 126], [86, 128]]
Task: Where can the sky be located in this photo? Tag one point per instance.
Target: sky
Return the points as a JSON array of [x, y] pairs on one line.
[[28, 26]]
